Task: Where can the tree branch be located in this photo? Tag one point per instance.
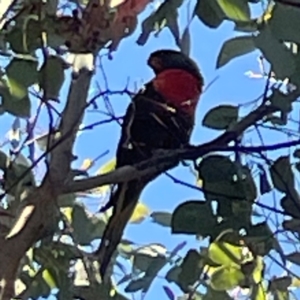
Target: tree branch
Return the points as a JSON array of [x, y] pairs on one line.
[[164, 160], [61, 156], [39, 215]]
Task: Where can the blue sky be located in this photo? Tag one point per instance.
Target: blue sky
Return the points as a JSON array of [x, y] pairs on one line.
[[129, 65], [232, 87]]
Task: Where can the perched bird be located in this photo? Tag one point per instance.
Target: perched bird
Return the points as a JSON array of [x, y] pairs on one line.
[[160, 116]]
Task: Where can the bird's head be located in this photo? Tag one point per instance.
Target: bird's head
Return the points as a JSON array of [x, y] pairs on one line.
[[162, 60], [177, 79]]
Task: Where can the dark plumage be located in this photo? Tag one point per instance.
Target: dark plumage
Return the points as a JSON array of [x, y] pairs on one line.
[[160, 116]]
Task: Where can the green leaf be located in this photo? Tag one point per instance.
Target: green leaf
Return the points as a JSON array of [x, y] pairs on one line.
[[224, 179], [226, 278], [258, 271], [52, 76], [147, 255], [282, 175], [193, 217], [261, 240], [17, 174], [280, 284], [282, 101], [210, 13], [51, 7], [36, 286], [166, 15], [277, 120], [191, 269], [23, 71], [221, 117], [285, 22], [162, 218], [153, 270], [294, 257], [280, 57], [235, 9], [86, 228], [292, 225], [126, 249], [4, 160], [185, 41], [264, 184], [47, 276], [225, 254], [136, 285], [259, 292], [25, 36], [15, 99], [43, 140], [291, 204], [233, 48], [15, 89], [249, 26], [216, 295], [173, 274], [107, 167]]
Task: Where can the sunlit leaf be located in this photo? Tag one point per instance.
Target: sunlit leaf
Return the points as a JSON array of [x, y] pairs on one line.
[[139, 214], [107, 167], [22, 71], [87, 164], [49, 279], [235, 9], [225, 254], [226, 278]]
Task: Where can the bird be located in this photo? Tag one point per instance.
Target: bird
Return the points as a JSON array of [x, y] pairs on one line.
[[160, 116]]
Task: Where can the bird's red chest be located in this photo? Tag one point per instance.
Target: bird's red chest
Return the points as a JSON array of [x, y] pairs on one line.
[[179, 88]]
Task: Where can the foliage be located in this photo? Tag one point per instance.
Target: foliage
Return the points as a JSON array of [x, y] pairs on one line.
[[239, 239]]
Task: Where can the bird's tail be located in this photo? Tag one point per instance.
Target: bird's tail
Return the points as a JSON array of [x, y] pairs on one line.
[[123, 201]]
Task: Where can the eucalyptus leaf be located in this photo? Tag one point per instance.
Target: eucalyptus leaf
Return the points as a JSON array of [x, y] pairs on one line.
[[235, 9], [23, 71], [210, 13], [282, 175], [51, 76], [234, 48], [221, 117], [166, 15], [161, 218], [285, 22], [280, 57], [193, 217]]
